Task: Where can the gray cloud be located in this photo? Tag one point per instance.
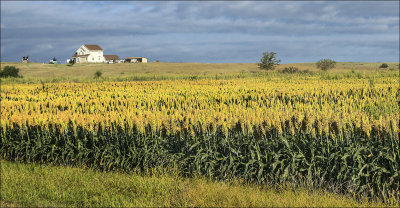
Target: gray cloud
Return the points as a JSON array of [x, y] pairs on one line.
[[209, 31]]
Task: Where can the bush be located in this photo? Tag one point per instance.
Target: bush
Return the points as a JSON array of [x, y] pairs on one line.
[[97, 74], [290, 70], [325, 64], [268, 61], [384, 66], [10, 71]]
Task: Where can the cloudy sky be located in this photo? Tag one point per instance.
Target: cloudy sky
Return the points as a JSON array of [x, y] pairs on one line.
[[210, 31]]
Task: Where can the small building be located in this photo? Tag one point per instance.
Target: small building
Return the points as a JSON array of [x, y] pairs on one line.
[[111, 59], [53, 61], [135, 60], [25, 59]]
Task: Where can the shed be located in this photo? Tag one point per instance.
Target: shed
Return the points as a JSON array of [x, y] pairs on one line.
[[111, 58], [25, 59], [135, 60]]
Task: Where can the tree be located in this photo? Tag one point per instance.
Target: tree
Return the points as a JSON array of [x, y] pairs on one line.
[[384, 65], [9, 71], [268, 61], [325, 64]]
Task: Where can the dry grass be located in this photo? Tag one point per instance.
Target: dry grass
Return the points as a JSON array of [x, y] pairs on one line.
[[341, 66], [87, 70]]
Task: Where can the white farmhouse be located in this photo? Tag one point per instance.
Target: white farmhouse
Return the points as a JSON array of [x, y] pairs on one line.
[[89, 53]]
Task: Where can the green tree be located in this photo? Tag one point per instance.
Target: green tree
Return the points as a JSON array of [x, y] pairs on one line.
[[9, 71], [325, 64], [384, 65], [268, 61]]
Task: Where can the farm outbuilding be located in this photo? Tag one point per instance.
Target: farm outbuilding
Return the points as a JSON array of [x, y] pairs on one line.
[[25, 59], [111, 58], [135, 60]]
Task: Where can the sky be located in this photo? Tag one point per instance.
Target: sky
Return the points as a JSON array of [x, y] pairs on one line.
[[207, 32]]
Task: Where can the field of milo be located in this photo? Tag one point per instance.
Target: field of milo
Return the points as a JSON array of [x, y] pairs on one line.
[[334, 131]]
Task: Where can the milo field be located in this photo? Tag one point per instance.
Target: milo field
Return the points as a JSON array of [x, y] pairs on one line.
[[192, 134]]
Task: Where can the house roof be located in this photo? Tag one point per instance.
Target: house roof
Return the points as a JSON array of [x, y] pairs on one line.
[[111, 57], [93, 47], [76, 55]]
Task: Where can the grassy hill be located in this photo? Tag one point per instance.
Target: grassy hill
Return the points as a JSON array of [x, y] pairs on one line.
[[63, 71]]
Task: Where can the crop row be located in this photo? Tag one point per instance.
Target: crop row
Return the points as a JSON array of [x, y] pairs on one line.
[[178, 106], [352, 164]]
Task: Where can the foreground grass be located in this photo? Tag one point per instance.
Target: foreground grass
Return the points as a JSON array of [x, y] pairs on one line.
[[45, 185]]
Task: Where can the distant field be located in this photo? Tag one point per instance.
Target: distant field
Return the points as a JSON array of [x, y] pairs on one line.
[[62, 71], [87, 70]]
